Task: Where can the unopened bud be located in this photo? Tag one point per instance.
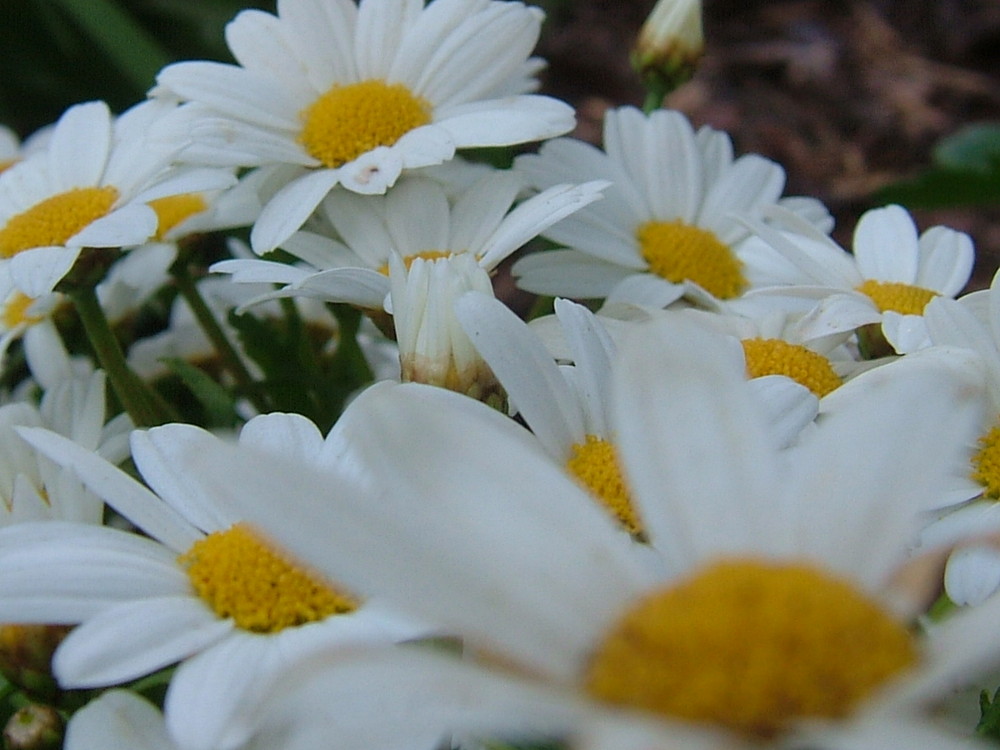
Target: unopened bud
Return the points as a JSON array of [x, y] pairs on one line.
[[669, 45], [26, 656], [34, 727]]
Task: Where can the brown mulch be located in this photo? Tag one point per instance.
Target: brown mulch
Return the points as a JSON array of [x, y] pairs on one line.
[[847, 96]]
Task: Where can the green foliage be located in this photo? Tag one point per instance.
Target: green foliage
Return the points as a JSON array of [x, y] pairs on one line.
[[218, 404], [965, 172], [299, 374], [60, 52], [989, 722]]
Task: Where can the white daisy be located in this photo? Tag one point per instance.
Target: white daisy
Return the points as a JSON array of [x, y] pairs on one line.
[[973, 571], [122, 719], [887, 281], [202, 590], [32, 488], [356, 94], [533, 577], [88, 188], [419, 218], [669, 227]]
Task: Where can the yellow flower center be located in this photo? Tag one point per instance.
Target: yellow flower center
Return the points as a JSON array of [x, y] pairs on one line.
[[173, 209], [901, 298], [681, 252], [240, 576], [777, 357], [6, 164], [751, 646], [423, 254], [986, 463], [55, 220], [15, 311], [348, 121], [595, 466]]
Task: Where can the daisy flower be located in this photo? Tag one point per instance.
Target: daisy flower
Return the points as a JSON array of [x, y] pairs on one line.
[[887, 281], [123, 719], [973, 571], [669, 226], [32, 488], [88, 188], [772, 620], [419, 218], [353, 95], [200, 588]]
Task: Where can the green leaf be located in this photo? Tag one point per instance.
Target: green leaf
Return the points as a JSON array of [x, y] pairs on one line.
[[989, 722], [218, 403], [945, 188], [966, 172], [136, 54], [974, 148]]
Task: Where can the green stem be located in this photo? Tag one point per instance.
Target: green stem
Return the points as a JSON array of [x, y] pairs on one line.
[[231, 359], [655, 93], [142, 403]]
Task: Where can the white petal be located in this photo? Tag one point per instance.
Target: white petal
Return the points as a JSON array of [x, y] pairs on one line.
[[234, 91], [37, 271], [288, 210], [134, 639], [405, 697], [526, 371], [64, 572], [885, 245], [946, 260], [78, 151], [866, 450], [115, 487], [118, 719], [695, 444], [972, 574], [567, 273], [125, 227], [176, 484], [508, 121]]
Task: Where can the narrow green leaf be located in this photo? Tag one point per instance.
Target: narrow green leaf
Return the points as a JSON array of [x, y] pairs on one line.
[[219, 404], [134, 52], [944, 187]]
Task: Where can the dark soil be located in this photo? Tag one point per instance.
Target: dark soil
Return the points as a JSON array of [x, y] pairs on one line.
[[847, 96]]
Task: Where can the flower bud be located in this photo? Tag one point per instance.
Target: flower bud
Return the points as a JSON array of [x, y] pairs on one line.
[[26, 656], [669, 44], [34, 727]]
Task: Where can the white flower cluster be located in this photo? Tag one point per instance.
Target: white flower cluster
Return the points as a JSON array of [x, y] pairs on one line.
[[711, 508]]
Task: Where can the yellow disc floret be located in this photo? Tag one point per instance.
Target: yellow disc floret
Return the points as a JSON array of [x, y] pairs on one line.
[[240, 576], [904, 299], [423, 255], [173, 209], [55, 220], [681, 252], [595, 465], [348, 121], [986, 463], [751, 646], [15, 311], [804, 366]]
